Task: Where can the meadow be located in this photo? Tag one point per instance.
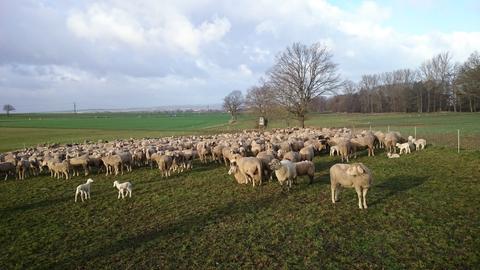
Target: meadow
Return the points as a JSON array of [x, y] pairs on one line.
[[422, 207]]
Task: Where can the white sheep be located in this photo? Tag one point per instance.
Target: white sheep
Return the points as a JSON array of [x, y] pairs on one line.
[[354, 175], [404, 147], [419, 144], [390, 155], [285, 171], [123, 188], [84, 190], [334, 150]]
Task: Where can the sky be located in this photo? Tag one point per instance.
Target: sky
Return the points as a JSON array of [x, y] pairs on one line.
[[116, 54]]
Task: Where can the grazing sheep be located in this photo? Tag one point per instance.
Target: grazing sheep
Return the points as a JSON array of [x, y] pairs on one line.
[[391, 140], [265, 157], [403, 147], [23, 167], [392, 155], [345, 148], [306, 167], [7, 168], [164, 163], [79, 162], [111, 163], [123, 188], [355, 175], [249, 167], [84, 190], [419, 144], [285, 171], [368, 140]]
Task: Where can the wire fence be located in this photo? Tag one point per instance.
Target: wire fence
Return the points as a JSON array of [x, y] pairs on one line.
[[452, 138]]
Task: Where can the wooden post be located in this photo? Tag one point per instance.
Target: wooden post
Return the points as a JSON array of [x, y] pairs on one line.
[[458, 140], [370, 127], [415, 132], [388, 128]]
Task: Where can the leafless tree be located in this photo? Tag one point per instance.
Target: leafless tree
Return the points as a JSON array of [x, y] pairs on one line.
[[232, 103], [468, 80], [260, 99], [8, 108], [301, 73]]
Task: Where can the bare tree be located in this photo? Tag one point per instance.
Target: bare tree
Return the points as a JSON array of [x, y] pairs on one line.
[[301, 73], [260, 99], [468, 80], [232, 103], [8, 108]]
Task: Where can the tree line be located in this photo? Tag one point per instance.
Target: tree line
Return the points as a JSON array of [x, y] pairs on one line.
[[305, 79]]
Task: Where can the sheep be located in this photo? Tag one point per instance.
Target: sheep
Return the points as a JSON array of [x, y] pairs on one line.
[[249, 167], [334, 150], [111, 163], [403, 147], [292, 156], [391, 140], [23, 167], [368, 140], [164, 163], [307, 153], [390, 155], [419, 144], [123, 188], [265, 157], [355, 175], [285, 171], [7, 168], [305, 167], [77, 162], [61, 169], [84, 190], [345, 147], [217, 153]]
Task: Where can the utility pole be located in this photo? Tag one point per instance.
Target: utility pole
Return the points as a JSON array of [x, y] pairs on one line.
[[75, 108]]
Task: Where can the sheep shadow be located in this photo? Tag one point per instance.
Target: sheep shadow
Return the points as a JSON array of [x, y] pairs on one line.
[[35, 205], [395, 186], [190, 223]]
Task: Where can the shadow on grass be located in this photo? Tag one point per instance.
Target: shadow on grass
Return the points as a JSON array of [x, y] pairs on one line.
[[35, 205], [185, 225], [395, 186]]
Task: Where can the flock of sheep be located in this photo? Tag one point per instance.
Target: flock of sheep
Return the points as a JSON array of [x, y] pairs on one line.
[[251, 157]]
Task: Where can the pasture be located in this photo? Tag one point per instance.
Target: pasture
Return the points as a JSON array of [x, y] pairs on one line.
[[422, 207]]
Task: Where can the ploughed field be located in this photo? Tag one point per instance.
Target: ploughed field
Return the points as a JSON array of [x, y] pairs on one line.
[[422, 211]]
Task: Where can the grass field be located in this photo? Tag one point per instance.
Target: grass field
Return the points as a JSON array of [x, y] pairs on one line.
[[422, 207], [422, 214]]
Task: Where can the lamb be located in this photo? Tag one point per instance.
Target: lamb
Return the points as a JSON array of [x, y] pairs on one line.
[[334, 150], [249, 167], [404, 147], [285, 171], [84, 190], [419, 144], [355, 175], [123, 188], [390, 155], [305, 167]]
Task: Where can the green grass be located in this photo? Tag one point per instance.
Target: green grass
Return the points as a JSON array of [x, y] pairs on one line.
[[422, 214]]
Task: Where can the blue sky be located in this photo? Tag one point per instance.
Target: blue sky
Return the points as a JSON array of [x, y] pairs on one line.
[[122, 54]]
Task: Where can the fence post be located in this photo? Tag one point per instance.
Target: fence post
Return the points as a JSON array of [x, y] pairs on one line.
[[415, 132], [388, 128], [370, 127], [458, 140]]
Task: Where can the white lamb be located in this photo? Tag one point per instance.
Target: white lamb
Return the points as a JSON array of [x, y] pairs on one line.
[[419, 144], [123, 188], [334, 150], [404, 147], [84, 190], [391, 155]]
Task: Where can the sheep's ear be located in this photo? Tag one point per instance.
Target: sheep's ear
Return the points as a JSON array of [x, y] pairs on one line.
[[360, 169]]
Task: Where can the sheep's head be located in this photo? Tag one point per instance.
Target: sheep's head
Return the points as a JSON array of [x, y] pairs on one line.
[[233, 168], [355, 169], [90, 180], [275, 164], [115, 183], [397, 145]]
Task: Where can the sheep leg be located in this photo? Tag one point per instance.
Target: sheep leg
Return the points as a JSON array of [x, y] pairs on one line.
[[76, 195], [118, 194], [365, 198], [333, 194], [359, 195], [130, 192]]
